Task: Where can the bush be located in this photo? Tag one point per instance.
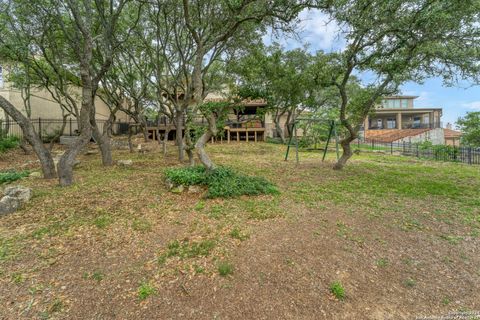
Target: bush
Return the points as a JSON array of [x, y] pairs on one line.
[[186, 176], [10, 176], [222, 182], [8, 143]]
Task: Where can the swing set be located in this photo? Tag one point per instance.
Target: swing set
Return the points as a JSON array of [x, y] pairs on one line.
[[332, 132]]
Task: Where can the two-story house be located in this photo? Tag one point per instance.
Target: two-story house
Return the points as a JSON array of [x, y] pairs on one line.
[[396, 119]]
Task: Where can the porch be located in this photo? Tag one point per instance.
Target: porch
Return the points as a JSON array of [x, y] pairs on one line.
[[403, 120]]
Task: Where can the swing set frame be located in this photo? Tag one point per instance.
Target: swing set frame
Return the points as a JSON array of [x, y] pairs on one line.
[[331, 132]]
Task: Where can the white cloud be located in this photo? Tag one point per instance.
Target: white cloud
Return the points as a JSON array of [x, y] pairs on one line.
[[320, 31], [314, 28], [475, 105]]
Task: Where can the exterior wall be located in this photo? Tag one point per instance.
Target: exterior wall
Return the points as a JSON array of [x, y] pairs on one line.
[[454, 142], [44, 106], [436, 136]]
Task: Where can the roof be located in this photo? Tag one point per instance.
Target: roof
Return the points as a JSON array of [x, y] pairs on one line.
[[449, 133], [405, 110], [394, 135], [245, 102], [400, 97]]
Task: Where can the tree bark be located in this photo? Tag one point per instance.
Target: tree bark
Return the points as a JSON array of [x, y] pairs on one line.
[[103, 138], [29, 133], [203, 140], [67, 161], [103, 141], [346, 154], [179, 135], [278, 129], [202, 154]]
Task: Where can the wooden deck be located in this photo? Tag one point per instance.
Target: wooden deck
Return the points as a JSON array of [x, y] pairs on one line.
[[245, 134], [231, 134]]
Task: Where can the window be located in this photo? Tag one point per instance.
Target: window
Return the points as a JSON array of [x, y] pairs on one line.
[[395, 103], [416, 122], [426, 119], [379, 123], [391, 123]]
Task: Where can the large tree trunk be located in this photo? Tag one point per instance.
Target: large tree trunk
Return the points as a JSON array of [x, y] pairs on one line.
[[67, 161], [29, 133], [144, 127], [202, 141], [346, 154], [103, 141], [179, 135], [278, 129], [189, 146], [202, 154]]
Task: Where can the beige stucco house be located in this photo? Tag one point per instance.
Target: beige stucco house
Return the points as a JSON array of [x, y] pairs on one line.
[[42, 103], [397, 120]]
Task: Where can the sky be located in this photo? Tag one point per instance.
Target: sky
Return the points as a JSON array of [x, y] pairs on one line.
[[322, 34]]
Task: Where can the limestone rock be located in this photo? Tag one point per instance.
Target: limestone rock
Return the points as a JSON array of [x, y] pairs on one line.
[[169, 184], [8, 205], [194, 189], [178, 189], [35, 174], [125, 163], [91, 152], [23, 194], [56, 160]]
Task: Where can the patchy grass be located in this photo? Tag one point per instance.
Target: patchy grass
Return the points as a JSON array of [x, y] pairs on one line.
[[225, 268], [394, 221], [146, 290]]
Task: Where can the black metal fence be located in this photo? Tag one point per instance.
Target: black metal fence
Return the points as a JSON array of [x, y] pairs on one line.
[[468, 155], [47, 128]]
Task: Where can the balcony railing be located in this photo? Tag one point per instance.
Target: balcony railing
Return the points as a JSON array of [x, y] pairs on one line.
[[409, 125]]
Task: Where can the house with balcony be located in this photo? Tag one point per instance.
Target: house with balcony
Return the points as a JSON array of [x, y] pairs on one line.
[[397, 120]]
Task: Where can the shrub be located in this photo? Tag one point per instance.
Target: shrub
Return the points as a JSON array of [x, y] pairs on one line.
[[8, 143], [186, 176], [10, 176], [337, 290], [223, 182]]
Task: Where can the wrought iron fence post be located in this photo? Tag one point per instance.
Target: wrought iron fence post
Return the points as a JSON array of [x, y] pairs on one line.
[[469, 155], [70, 126], [418, 155]]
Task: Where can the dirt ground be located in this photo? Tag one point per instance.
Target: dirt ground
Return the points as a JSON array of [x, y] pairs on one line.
[[400, 235]]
